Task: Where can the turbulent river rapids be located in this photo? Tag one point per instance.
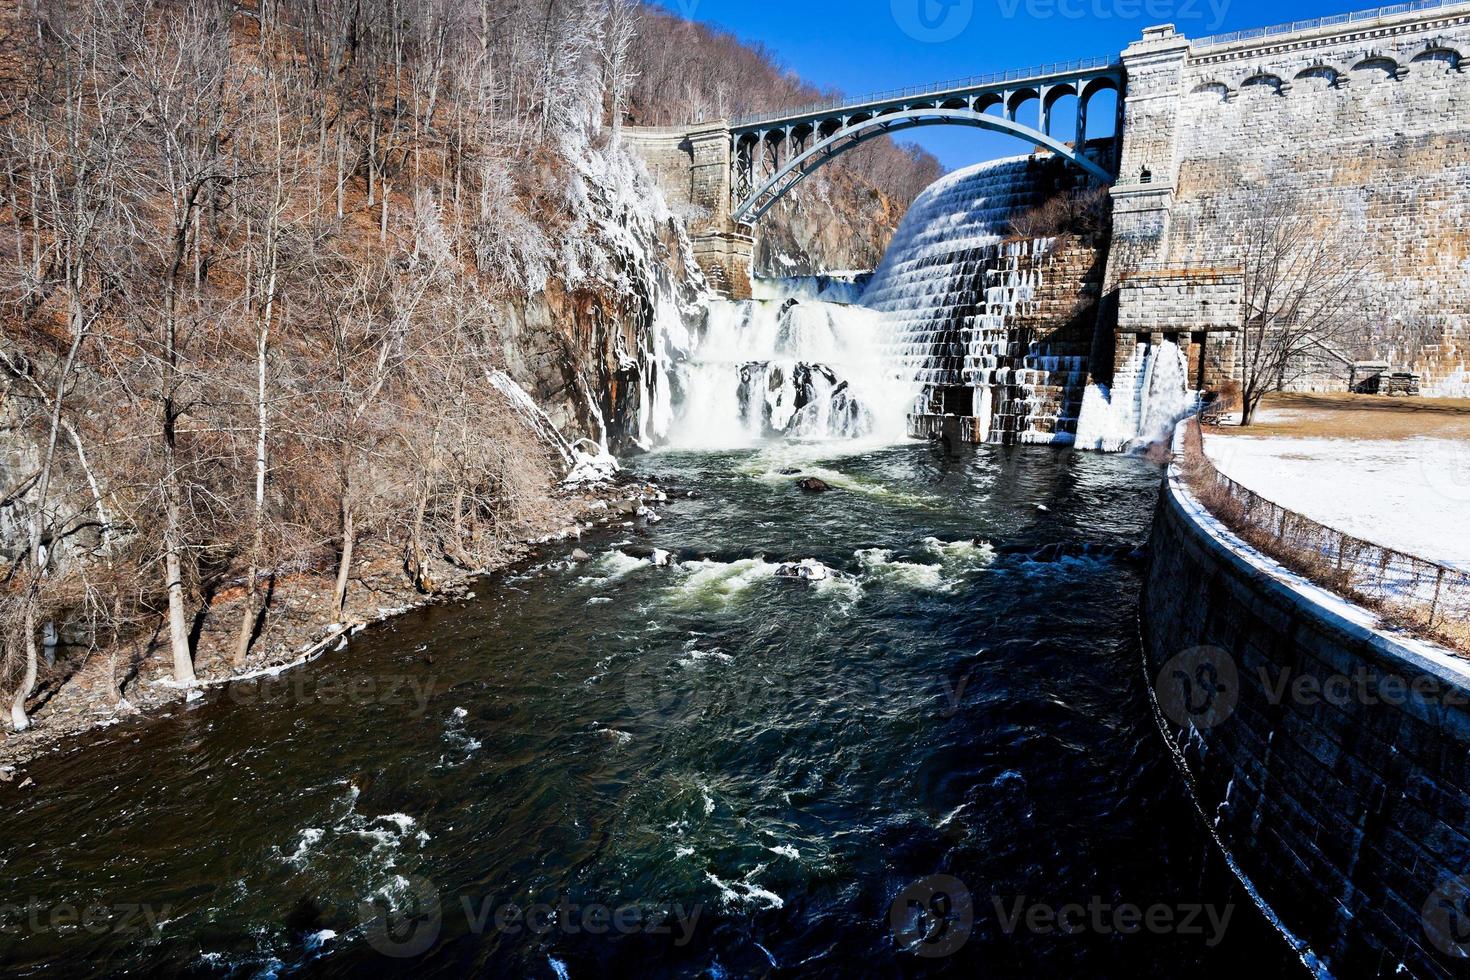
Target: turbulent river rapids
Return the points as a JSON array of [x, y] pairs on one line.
[[671, 759]]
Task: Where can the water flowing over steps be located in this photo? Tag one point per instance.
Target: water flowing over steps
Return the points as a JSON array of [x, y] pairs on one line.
[[997, 331], [964, 332]]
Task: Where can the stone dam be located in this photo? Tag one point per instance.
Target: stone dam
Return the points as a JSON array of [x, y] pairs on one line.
[[1361, 120]]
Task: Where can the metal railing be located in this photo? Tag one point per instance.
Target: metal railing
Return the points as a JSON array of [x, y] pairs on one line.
[[936, 88], [1334, 20], [1427, 596]]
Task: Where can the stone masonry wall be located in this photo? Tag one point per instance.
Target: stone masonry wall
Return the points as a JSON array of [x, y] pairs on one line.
[[666, 154], [1199, 309], [1367, 127], [1331, 759], [692, 167]]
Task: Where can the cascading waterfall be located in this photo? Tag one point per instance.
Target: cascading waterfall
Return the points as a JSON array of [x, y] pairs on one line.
[[797, 361], [1149, 394], [956, 334], [951, 289]]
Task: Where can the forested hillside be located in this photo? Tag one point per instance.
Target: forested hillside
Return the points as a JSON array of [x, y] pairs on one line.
[[277, 279]]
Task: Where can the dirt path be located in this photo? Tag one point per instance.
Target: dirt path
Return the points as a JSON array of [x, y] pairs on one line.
[[1344, 416]]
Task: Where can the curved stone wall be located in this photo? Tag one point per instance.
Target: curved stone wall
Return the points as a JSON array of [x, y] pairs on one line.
[[1331, 760]]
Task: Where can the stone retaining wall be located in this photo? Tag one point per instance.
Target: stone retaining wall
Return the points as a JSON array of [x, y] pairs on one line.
[[1341, 798]]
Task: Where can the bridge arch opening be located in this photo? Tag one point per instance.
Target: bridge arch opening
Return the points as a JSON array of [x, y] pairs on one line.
[[1018, 103], [991, 103], [1263, 82], [1060, 114], [1098, 118]]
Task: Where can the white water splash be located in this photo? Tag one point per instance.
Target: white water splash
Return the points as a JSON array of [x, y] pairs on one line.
[[1150, 393], [790, 364]]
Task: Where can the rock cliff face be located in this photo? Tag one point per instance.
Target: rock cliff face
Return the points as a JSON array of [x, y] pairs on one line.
[[595, 357], [19, 461], [833, 225]]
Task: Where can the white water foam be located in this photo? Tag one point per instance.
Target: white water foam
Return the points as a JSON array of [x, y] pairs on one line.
[[1150, 393], [787, 365]]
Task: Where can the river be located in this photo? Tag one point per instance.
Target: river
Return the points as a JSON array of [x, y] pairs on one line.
[[756, 766]]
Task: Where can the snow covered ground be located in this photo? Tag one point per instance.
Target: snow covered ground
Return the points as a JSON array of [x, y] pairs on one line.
[[1412, 495]]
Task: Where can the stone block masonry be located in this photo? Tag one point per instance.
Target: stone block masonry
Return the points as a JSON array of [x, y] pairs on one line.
[[1198, 309], [1331, 759], [1364, 124], [692, 168]]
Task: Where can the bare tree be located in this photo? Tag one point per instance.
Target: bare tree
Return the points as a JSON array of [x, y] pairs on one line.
[[178, 68], [620, 32], [66, 134], [1302, 290]]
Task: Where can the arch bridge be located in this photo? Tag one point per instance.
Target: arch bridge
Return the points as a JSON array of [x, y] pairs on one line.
[[773, 153]]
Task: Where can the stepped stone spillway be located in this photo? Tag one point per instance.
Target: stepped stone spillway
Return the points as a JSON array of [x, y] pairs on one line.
[[997, 330]]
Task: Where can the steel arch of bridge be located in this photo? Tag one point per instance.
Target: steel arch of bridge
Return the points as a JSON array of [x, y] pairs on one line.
[[809, 141]]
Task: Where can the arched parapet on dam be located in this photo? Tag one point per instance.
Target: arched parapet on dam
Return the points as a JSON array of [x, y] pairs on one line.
[[1360, 119], [1329, 757]]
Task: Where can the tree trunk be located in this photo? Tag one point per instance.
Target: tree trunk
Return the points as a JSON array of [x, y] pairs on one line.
[[33, 592], [344, 567], [383, 224], [262, 352], [18, 718], [178, 622], [341, 177], [418, 570]]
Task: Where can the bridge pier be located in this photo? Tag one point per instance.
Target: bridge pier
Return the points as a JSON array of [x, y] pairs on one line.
[[693, 168], [722, 248]]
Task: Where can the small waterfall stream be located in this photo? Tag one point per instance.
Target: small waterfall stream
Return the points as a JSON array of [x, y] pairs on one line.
[[1149, 394]]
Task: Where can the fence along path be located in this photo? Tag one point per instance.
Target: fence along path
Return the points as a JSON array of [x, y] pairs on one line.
[[1428, 595]]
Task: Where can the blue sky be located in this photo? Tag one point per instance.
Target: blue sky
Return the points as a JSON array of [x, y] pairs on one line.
[[860, 46]]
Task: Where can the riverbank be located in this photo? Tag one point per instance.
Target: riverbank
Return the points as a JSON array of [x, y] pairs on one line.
[[77, 695]]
